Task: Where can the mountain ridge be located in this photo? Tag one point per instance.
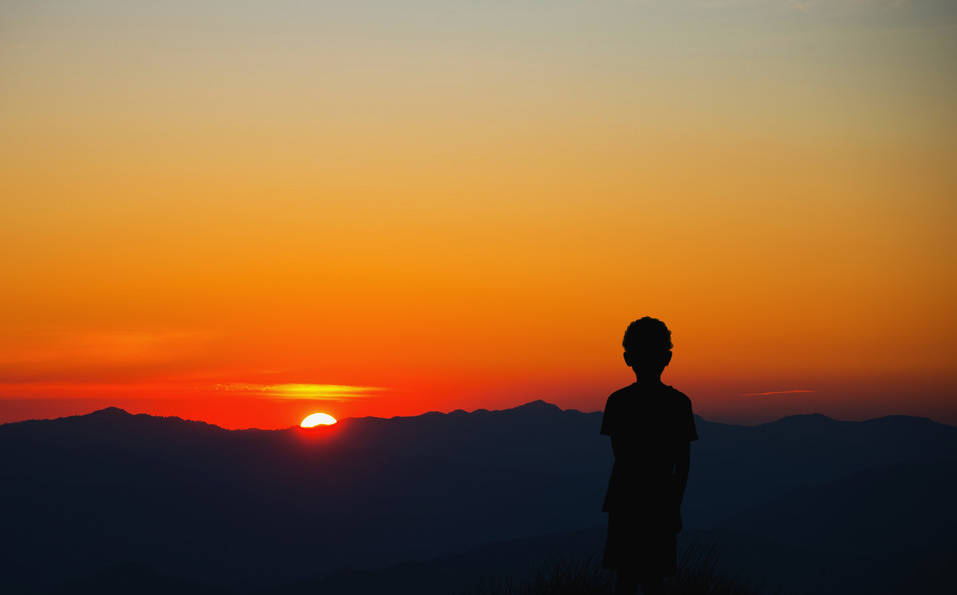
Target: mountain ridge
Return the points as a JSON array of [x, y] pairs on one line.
[[537, 405]]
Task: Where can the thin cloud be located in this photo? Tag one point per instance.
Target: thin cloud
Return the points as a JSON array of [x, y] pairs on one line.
[[98, 348], [309, 392], [774, 393]]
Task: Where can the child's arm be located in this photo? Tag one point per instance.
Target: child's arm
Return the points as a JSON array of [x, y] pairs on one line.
[[682, 464], [617, 446]]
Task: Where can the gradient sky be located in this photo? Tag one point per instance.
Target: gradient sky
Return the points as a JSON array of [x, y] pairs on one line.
[[247, 212]]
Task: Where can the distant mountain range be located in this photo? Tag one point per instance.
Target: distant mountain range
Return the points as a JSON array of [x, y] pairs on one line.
[[806, 503]]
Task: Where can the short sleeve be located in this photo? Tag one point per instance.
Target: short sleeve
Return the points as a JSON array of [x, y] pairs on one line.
[[610, 417]]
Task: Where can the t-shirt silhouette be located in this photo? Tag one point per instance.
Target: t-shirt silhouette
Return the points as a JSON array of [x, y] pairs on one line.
[[648, 423]]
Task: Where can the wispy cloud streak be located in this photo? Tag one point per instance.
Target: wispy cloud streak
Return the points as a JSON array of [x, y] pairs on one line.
[[311, 392], [774, 393]]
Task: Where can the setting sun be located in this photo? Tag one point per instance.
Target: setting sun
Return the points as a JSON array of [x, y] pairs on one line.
[[317, 419]]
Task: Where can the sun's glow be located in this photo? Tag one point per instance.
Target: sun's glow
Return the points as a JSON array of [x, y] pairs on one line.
[[318, 419]]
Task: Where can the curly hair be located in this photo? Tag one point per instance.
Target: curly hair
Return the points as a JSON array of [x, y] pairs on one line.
[[645, 335]]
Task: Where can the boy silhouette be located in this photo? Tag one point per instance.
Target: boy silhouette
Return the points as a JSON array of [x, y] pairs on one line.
[[651, 428]]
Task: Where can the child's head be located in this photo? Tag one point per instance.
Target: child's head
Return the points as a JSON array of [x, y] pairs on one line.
[[647, 346]]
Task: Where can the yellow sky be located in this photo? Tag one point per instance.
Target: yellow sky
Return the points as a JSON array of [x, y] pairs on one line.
[[464, 203]]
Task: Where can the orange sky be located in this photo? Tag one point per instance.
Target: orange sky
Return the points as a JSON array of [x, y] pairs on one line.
[[462, 205]]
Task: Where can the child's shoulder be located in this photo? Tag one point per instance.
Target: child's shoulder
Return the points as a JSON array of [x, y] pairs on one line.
[[679, 396], [618, 400], [622, 393]]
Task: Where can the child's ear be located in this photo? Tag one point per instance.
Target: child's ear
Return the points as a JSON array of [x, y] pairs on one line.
[[668, 357]]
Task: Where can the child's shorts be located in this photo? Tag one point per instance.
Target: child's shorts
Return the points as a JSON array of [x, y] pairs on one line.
[[643, 549]]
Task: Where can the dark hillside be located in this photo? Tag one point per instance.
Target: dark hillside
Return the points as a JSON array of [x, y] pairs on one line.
[[254, 509]]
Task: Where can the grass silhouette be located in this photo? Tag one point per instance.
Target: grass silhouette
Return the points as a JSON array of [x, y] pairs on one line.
[[698, 574]]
